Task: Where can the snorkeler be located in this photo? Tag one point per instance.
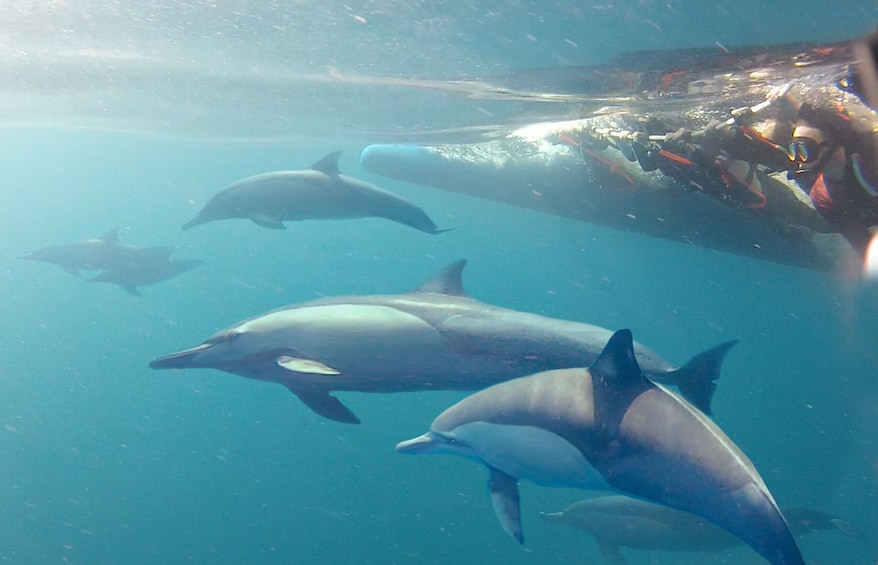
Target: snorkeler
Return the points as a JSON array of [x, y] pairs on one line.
[[836, 163], [702, 160], [829, 156]]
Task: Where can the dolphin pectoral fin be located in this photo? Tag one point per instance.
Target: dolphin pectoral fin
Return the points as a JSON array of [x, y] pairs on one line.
[[308, 366], [696, 378], [505, 501], [267, 221], [132, 290], [321, 402], [610, 552]]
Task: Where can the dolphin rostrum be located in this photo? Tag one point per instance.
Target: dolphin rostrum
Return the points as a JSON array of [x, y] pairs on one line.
[[318, 193], [434, 338], [616, 521], [610, 428]]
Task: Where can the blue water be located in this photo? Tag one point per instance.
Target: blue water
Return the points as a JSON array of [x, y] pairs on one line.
[[106, 461]]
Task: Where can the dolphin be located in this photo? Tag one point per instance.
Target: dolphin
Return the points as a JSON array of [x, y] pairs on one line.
[[145, 271], [318, 193], [620, 521], [433, 338], [103, 253], [609, 427]]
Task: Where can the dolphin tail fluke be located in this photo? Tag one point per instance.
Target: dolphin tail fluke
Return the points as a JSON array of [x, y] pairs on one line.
[[505, 501], [132, 290], [196, 221], [410, 215], [321, 402], [437, 231], [696, 379]]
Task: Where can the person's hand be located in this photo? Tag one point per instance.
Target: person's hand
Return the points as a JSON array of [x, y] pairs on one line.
[[679, 136], [778, 92], [783, 100]]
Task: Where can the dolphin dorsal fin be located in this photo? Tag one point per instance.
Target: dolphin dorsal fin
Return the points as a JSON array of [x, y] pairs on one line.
[[111, 236], [617, 380], [328, 165], [617, 365], [449, 281]]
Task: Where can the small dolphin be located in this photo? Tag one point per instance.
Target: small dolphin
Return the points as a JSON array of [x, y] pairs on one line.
[[610, 428], [434, 338], [318, 193], [619, 521], [145, 271], [99, 254]]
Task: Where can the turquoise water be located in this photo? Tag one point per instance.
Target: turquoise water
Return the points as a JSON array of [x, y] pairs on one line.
[[107, 461]]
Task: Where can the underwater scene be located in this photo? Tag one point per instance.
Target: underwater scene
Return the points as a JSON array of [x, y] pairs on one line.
[[406, 282]]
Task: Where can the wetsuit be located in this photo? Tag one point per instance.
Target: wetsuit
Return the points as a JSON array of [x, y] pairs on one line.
[[849, 200]]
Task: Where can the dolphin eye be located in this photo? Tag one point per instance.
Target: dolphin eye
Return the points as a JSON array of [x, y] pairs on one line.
[[223, 338]]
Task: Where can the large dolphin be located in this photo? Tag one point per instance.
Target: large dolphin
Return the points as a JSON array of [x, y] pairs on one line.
[[616, 521], [610, 428], [318, 193], [100, 254], [434, 338]]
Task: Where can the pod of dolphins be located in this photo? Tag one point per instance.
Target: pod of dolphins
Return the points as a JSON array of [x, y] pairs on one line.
[[558, 403], [124, 265], [320, 192]]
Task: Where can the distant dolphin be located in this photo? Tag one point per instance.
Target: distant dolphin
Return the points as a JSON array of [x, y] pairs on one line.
[[435, 338], [318, 193], [620, 521], [610, 428], [99, 254], [146, 271]]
